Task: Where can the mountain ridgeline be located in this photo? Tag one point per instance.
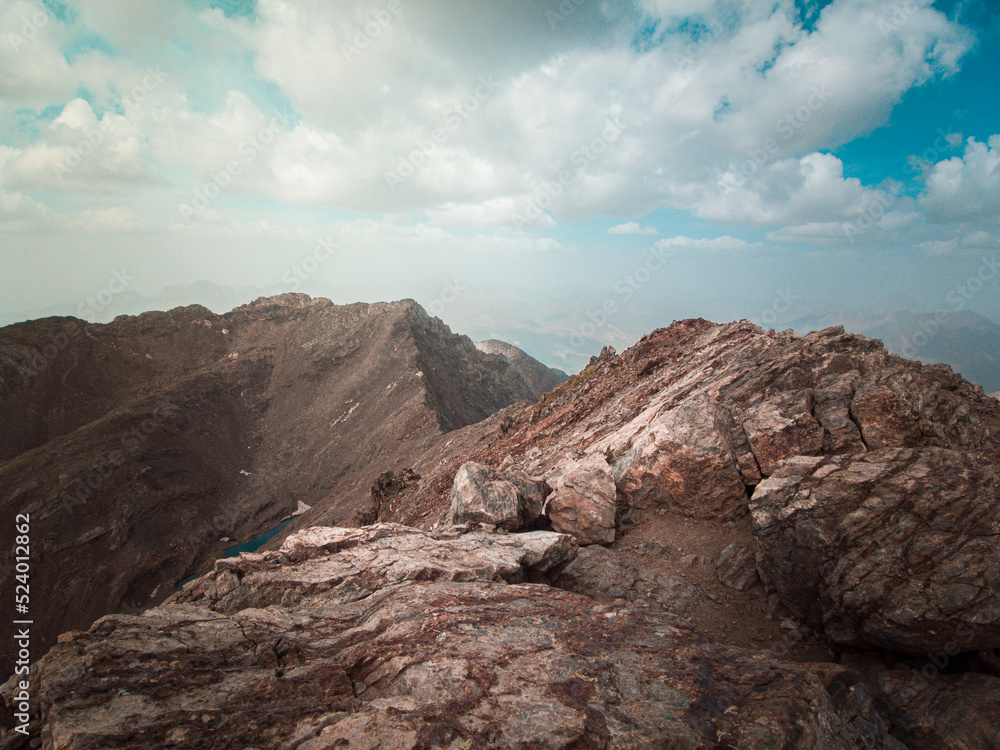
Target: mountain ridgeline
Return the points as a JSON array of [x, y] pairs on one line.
[[140, 448]]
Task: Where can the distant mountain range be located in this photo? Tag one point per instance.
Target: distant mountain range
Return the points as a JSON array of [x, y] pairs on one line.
[[966, 341]]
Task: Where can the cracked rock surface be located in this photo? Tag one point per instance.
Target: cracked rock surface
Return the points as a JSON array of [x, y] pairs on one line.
[[894, 549], [388, 637]]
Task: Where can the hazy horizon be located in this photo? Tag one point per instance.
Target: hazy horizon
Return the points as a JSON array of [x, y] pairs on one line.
[[582, 170]]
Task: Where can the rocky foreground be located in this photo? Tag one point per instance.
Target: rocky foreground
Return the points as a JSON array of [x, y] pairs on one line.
[[722, 538]]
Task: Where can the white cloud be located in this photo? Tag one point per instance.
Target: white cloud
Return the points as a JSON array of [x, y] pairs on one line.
[[35, 72], [77, 152], [633, 227], [967, 188], [682, 244], [732, 125]]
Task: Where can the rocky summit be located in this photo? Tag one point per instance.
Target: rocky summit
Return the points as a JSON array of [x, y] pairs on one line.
[[724, 537]]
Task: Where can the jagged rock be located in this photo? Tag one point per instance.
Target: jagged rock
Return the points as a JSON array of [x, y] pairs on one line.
[[931, 711], [375, 556], [783, 426], [384, 489], [601, 574], [831, 404], [509, 499], [419, 663], [893, 549], [737, 568], [686, 459], [583, 500], [852, 698]]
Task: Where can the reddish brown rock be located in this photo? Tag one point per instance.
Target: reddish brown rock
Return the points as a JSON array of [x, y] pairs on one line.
[[783, 426], [893, 549], [737, 568], [929, 710], [509, 499], [693, 459], [456, 658], [583, 501]]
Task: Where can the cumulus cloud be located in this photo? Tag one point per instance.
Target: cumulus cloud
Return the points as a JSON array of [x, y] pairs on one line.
[[79, 152], [966, 188], [633, 227], [387, 108]]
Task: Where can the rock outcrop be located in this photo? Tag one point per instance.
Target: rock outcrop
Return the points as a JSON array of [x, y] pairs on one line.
[[929, 710], [389, 637], [583, 500], [892, 549], [737, 568], [136, 447], [602, 575]]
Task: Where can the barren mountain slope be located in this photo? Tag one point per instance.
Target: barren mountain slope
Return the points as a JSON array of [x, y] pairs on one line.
[[137, 446]]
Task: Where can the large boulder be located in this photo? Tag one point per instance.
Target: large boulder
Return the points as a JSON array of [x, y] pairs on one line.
[[583, 502], [894, 549], [693, 459], [783, 426], [509, 499], [442, 652]]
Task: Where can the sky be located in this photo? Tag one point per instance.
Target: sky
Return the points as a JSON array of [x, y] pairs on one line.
[[559, 174]]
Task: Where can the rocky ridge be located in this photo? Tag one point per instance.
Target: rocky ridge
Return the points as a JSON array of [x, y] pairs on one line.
[[391, 637], [542, 379], [723, 538], [141, 447]]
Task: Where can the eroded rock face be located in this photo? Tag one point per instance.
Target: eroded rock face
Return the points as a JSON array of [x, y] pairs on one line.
[[509, 500], [693, 459], [394, 638], [148, 440], [893, 549], [583, 500], [937, 711]]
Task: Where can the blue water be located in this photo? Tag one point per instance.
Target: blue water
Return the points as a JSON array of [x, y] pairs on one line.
[[257, 542]]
